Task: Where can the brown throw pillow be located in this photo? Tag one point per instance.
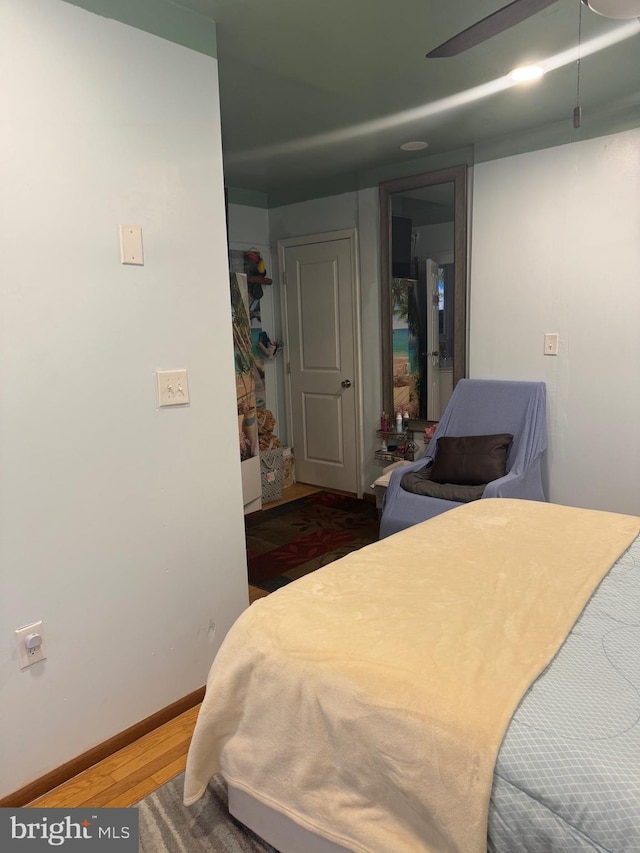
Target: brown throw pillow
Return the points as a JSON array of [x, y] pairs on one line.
[[471, 460], [420, 483]]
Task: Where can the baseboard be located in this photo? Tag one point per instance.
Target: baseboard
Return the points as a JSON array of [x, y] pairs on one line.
[[103, 750]]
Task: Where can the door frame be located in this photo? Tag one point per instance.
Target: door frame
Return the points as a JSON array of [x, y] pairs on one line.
[[350, 234]]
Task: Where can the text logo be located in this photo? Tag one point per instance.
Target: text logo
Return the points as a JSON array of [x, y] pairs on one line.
[[69, 829]]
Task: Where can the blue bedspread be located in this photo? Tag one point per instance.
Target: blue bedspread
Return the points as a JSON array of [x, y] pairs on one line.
[[568, 773]]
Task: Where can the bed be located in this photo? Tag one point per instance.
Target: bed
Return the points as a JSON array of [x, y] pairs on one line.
[[471, 683]]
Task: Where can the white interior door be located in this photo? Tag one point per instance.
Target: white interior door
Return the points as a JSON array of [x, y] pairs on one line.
[[322, 349], [433, 343]]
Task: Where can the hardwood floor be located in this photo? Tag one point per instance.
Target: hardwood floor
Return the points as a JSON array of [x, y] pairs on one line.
[[135, 771], [131, 773], [297, 490]]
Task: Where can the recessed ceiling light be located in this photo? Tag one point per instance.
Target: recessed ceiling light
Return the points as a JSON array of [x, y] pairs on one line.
[[526, 72], [414, 146]]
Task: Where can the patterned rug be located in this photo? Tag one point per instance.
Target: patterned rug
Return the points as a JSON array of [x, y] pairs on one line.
[[167, 826], [293, 539]]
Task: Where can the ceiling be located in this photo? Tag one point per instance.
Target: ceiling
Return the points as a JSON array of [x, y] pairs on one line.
[[314, 90]]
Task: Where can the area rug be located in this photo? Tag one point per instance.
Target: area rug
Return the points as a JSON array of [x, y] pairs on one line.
[[167, 826], [289, 541]]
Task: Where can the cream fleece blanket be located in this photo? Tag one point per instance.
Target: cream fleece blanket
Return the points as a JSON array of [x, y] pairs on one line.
[[368, 700]]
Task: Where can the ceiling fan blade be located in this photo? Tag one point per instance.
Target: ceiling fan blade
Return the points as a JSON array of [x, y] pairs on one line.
[[622, 10], [503, 19]]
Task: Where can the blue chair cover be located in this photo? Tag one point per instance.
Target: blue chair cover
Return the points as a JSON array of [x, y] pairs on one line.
[[480, 407]]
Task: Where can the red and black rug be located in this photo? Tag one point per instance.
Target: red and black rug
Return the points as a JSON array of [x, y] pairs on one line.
[[293, 539]]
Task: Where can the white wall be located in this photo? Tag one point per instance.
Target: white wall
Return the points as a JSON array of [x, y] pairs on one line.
[[120, 524], [359, 210], [556, 248]]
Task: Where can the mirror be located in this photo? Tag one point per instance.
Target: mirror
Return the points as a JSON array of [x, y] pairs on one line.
[[423, 273]]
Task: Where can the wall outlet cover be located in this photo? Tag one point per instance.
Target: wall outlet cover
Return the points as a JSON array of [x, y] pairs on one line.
[[131, 245], [27, 657]]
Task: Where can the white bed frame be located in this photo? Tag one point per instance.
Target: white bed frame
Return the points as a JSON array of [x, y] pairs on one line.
[[277, 829]]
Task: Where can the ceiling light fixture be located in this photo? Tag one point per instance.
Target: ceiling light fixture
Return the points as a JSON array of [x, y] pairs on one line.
[[414, 146], [622, 10], [433, 108], [526, 73]]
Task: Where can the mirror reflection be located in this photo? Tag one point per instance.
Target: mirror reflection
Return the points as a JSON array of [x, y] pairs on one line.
[[423, 272], [422, 287]]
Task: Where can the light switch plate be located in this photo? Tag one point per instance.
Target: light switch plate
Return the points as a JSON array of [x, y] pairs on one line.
[[131, 245], [173, 387], [551, 343]]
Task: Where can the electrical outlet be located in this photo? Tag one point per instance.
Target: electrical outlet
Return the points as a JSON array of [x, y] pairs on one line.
[[31, 645], [173, 387]]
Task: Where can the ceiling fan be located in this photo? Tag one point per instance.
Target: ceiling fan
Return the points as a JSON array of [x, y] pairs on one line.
[[519, 10]]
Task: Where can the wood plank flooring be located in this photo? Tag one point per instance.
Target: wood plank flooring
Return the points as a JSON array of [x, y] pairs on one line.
[[135, 771], [131, 773]]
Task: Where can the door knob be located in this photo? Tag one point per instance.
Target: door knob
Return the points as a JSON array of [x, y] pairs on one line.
[[346, 383]]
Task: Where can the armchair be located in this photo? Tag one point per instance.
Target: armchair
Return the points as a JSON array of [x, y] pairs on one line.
[[479, 407]]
